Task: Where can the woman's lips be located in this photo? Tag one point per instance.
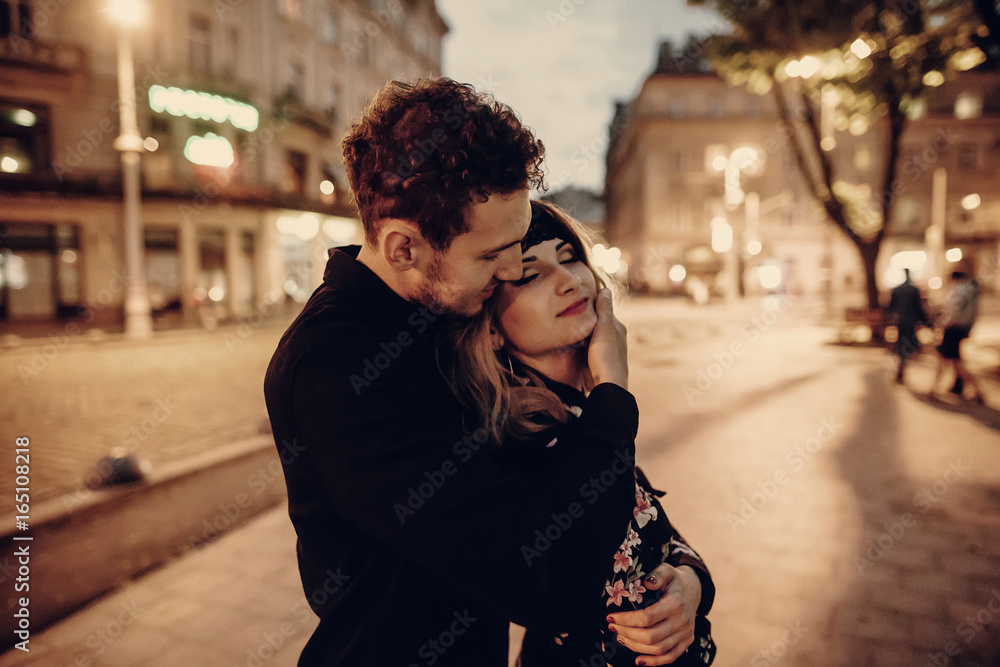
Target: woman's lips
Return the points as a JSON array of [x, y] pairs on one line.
[[576, 308]]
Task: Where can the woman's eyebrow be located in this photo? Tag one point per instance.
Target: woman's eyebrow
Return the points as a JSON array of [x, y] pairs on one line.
[[529, 258]]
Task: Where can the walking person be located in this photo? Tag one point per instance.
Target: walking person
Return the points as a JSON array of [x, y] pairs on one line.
[[412, 537], [961, 309], [907, 310], [522, 366]]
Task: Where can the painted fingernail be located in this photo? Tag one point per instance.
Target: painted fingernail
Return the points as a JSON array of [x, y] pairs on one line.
[[611, 619], [651, 579], [621, 640], [613, 629], [639, 662]]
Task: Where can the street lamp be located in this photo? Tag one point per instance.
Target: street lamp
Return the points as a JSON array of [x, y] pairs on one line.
[[130, 14], [743, 160]]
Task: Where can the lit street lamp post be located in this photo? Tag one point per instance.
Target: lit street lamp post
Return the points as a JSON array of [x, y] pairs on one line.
[[138, 317]]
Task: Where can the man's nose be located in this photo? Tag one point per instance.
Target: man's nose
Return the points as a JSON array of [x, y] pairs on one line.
[[509, 265]]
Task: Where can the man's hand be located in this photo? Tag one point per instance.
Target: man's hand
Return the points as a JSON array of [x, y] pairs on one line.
[[665, 629], [607, 355]]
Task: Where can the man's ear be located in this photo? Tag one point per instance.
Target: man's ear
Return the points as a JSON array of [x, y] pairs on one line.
[[402, 244]]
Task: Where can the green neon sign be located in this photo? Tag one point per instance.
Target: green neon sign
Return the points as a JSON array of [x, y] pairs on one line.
[[206, 106]]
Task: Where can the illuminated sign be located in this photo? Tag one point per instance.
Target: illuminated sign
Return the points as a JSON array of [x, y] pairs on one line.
[[209, 151], [205, 106]]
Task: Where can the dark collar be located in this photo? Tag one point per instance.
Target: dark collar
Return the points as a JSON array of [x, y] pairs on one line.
[[381, 306], [570, 396]]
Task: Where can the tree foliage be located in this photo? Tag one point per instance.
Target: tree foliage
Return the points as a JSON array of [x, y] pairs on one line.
[[866, 62]]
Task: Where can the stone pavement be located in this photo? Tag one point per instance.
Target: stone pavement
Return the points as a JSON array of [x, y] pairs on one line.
[[238, 602], [181, 393]]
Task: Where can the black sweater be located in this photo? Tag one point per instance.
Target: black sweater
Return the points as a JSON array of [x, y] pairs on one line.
[[415, 546]]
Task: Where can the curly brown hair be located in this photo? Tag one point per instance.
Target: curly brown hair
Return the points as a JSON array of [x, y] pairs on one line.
[[425, 151]]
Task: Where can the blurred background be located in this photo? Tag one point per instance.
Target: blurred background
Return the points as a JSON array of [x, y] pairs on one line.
[[760, 173]]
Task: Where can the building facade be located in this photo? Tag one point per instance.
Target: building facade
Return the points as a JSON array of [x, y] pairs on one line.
[[242, 104], [705, 194]]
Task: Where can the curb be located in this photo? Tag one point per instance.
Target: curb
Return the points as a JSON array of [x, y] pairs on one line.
[[119, 533]]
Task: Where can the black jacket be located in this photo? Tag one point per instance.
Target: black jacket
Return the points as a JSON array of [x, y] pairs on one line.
[[415, 547]]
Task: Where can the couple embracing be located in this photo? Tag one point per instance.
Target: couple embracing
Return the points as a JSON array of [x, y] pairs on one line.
[[485, 475]]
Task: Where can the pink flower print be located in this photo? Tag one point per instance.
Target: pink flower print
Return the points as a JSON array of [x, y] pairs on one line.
[[622, 561], [632, 540], [635, 591], [615, 592]]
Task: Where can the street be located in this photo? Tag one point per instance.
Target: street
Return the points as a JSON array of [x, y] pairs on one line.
[[846, 520]]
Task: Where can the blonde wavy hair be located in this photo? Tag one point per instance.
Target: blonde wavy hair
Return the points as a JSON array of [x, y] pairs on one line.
[[483, 381]]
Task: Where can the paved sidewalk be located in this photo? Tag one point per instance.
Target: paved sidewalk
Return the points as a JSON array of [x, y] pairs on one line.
[[165, 399], [237, 602]]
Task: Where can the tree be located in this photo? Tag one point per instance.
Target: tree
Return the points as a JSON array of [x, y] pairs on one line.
[[875, 59]]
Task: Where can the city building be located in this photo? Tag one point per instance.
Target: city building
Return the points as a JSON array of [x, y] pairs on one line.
[[242, 105], [704, 194]]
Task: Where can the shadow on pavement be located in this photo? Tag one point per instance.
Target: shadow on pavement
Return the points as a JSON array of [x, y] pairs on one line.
[[984, 414], [925, 582]]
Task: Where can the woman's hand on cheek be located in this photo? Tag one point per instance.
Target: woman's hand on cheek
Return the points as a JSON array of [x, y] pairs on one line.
[[607, 354]]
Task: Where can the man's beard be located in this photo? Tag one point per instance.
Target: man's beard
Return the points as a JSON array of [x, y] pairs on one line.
[[429, 292]]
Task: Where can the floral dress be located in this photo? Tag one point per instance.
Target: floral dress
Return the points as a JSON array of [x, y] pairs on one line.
[[649, 540]]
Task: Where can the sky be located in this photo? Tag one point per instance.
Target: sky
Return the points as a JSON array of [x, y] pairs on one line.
[[562, 64]]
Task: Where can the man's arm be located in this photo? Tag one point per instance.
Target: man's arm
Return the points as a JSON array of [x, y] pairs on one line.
[[395, 461]]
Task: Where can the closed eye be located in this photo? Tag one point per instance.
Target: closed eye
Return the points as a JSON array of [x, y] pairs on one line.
[[524, 280]]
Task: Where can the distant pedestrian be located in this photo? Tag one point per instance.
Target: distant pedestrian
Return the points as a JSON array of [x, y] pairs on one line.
[[908, 313], [957, 319]]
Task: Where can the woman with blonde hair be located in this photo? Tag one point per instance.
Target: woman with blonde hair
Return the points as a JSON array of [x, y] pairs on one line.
[[521, 371]]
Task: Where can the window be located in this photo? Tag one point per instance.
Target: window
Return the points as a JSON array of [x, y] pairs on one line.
[[15, 18], [332, 98], [295, 76], [676, 108], [862, 158], [968, 156], [39, 271], [714, 107], [968, 105], [295, 173], [24, 139], [232, 54], [331, 31], [200, 44]]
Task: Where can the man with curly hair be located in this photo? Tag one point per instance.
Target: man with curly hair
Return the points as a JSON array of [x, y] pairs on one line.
[[415, 546]]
